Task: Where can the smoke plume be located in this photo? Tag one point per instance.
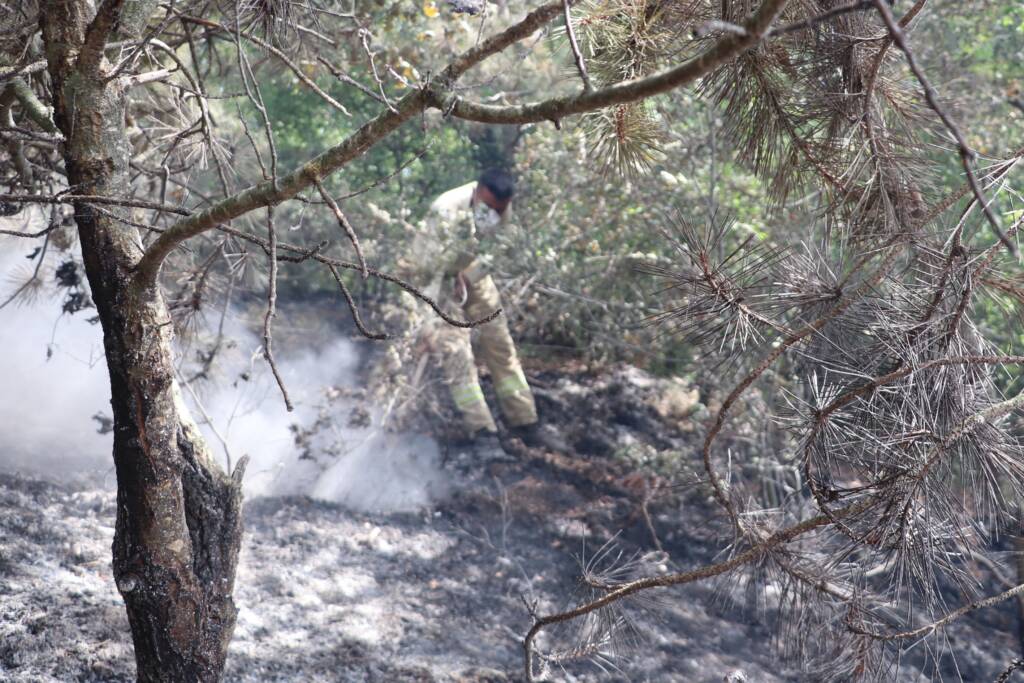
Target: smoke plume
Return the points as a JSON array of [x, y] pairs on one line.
[[54, 399]]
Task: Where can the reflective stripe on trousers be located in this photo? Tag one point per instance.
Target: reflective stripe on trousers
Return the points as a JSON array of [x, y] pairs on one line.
[[495, 347], [466, 395], [511, 384]]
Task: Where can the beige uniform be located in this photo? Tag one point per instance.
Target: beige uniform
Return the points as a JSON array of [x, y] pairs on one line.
[[448, 244]]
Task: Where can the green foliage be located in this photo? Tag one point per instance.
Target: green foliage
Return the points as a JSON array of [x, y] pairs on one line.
[[620, 40], [594, 195]]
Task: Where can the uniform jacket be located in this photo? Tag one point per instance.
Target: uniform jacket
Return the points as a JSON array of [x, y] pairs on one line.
[[447, 242]]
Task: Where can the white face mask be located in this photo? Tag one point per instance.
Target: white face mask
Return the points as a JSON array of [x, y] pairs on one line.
[[485, 219]]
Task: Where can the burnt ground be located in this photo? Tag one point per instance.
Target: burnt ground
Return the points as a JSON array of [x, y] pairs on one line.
[[328, 594]]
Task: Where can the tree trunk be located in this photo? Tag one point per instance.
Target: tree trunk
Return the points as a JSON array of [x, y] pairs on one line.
[[178, 515]]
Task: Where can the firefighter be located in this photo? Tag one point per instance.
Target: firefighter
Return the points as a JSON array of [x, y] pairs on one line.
[[449, 258]]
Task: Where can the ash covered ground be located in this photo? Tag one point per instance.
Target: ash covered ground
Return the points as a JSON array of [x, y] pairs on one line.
[[326, 593]]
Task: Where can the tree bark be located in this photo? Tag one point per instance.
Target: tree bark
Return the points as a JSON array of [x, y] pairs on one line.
[[178, 515]]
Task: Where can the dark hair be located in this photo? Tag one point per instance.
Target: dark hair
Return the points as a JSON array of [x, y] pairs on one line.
[[501, 183]]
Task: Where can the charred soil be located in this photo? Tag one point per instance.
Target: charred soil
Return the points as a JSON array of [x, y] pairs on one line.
[[443, 594]]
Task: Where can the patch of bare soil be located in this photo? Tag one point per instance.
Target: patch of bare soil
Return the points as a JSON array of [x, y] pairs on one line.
[[442, 595]]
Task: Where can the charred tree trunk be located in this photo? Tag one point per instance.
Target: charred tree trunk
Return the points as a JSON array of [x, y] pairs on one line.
[[178, 515]]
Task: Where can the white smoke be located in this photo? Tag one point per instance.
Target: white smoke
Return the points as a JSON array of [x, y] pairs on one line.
[[53, 380], [363, 467]]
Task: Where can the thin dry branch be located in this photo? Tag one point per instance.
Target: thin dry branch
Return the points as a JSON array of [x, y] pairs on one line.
[[93, 199], [966, 153], [292, 66], [39, 233], [9, 72], [345, 226], [705, 572], [944, 621], [818, 19], [356, 318], [268, 318], [570, 32], [315, 254]]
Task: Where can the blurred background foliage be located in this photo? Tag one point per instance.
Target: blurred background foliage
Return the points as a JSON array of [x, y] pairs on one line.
[[568, 268]]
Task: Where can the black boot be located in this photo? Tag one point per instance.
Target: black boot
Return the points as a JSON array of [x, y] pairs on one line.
[[544, 438], [481, 439], [470, 450]]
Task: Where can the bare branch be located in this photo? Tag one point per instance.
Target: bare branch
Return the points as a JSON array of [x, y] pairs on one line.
[[345, 225], [944, 621], [92, 199], [140, 48], [268, 318], [345, 78], [314, 254], [813, 22], [292, 66], [148, 77], [96, 35], [356, 318], [9, 72], [557, 108], [706, 572], [581, 66]]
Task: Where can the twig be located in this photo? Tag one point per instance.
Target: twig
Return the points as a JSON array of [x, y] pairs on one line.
[[268, 318], [130, 59], [31, 235], [352, 307], [92, 199], [383, 179], [648, 495], [754, 552], [148, 77], [857, 6], [581, 66], [1014, 664], [292, 66], [345, 78], [345, 225], [255, 95], [939, 623], [209, 421], [313, 253], [7, 73]]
